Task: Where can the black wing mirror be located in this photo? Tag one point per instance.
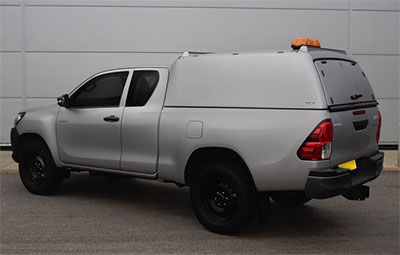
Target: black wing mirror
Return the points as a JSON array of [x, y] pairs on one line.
[[63, 100]]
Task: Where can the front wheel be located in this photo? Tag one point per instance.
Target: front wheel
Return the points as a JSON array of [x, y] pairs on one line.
[[289, 198], [223, 198], [37, 169]]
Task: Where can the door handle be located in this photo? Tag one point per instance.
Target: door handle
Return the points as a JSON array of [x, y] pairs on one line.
[[111, 118], [354, 97]]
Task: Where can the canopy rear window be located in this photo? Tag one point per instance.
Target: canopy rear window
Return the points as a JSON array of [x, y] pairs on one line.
[[344, 82]]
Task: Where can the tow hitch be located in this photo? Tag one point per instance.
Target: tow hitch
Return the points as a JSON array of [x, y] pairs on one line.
[[360, 192]]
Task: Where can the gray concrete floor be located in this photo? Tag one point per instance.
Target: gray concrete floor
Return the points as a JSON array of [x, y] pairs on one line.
[[99, 215], [6, 162], [391, 159]]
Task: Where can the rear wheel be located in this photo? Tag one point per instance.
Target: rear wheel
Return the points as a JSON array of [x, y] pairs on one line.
[[290, 198], [223, 198], [37, 169]]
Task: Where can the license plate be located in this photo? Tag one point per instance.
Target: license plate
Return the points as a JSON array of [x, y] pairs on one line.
[[351, 165]]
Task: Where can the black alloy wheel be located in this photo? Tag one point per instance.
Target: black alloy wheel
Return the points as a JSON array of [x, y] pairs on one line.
[[220, 200], [223, 198], [37, 170]]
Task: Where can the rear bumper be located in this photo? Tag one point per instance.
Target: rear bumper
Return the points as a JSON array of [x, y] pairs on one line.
[[327, 183], [14, 141]]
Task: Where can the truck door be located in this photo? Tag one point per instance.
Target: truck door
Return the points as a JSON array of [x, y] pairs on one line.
[[89, 131], [140, 122]]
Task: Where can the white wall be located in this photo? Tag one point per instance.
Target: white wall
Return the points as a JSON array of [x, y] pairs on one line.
[[48, 47]]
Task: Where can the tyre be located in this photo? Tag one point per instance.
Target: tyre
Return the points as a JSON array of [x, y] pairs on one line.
[[37, 169], [223, 198], [290, 198]]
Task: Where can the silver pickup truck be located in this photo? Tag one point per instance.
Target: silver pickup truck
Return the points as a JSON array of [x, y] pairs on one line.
[[238, 128]]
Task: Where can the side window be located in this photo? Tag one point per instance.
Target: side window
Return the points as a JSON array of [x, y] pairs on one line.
[[102, 91], [142, 87]]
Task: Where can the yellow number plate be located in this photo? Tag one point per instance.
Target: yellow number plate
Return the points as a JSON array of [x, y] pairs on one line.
[[351, 165]]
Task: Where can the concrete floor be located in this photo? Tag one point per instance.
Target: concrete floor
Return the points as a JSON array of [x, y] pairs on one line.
[[391, 159], [100, 215], [6, 162]]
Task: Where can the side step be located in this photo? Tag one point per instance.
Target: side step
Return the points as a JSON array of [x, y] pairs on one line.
[[360, 192]]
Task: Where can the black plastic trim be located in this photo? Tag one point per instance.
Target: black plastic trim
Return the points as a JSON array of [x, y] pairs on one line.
[[360, 125], [331, 182], [14, 141], [346, 107], [334, 58]]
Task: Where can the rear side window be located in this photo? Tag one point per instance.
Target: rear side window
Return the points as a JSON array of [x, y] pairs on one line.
[[102, 91], [142, 87], [344, 82]]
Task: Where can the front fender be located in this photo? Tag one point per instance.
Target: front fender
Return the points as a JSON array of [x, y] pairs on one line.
[[42, 122]]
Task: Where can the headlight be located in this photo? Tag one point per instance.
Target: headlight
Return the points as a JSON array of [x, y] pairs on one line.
[[19, 118]]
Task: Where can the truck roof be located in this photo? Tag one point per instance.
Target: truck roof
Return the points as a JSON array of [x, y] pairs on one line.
[[315, 52], [262, 79]]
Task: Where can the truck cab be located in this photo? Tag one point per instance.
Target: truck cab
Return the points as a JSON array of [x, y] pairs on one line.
[[112, 121]]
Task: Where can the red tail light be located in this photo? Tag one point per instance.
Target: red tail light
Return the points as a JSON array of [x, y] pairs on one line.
[[318, 145], [378, 133]]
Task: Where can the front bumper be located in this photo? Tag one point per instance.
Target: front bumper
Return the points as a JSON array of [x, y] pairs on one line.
[[14, 141], [327, 183]]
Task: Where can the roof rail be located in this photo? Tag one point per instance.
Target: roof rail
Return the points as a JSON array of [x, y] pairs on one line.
[[191, 53], [334, 50]]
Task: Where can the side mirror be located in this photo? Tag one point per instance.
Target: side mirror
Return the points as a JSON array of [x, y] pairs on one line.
[[63, 100]]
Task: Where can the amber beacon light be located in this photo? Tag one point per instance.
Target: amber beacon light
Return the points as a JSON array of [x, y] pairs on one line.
[[304, 41]]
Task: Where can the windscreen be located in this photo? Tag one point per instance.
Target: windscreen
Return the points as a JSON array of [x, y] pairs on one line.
[[344, 82]]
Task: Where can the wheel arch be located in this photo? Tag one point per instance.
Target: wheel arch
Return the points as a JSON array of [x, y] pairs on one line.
[[25, 139], [209, 155]]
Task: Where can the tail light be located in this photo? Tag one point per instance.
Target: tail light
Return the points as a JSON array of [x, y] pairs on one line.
[[318, 145], [378, 133]]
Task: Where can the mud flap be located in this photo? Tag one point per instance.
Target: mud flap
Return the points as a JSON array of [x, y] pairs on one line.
[[262, 207]]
